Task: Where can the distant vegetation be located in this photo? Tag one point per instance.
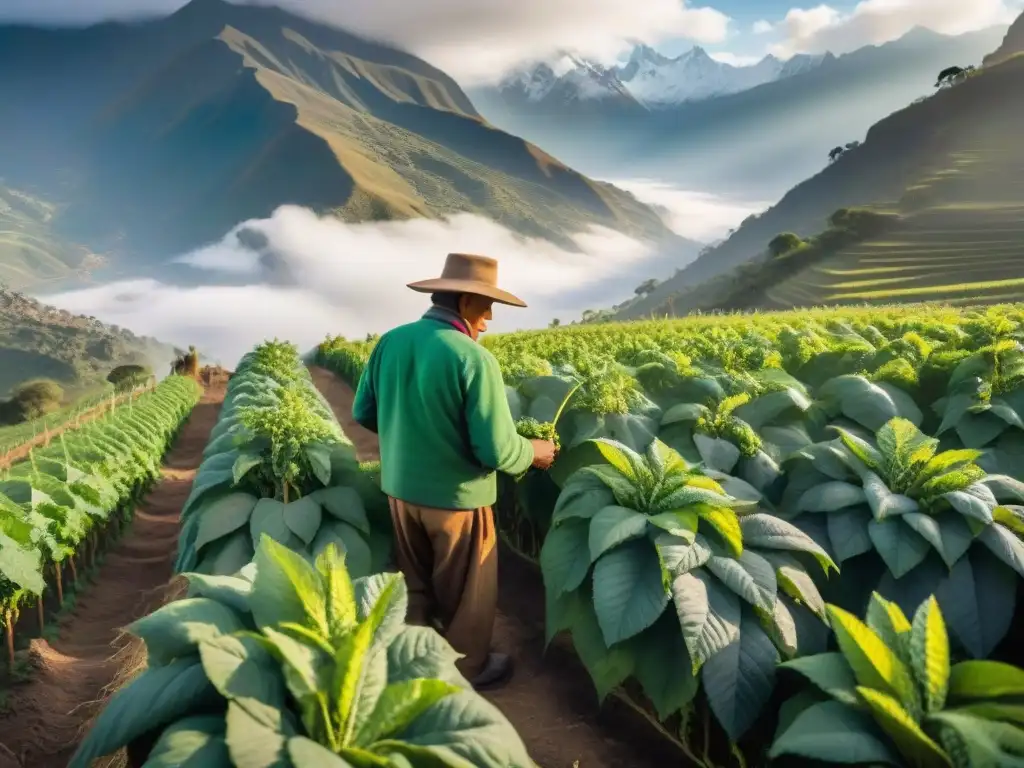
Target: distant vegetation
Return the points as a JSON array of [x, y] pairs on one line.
[[41, 342], [31, 400], [128, 376]]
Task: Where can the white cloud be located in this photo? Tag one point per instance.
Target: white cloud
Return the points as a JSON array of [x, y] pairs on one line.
[[762, 27], [473, 40], [298, 276], [735, 59], [697, 215], [316, 276], [873, 22]]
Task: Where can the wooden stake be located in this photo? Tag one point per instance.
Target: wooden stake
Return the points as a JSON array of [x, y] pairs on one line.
[[60, 584]]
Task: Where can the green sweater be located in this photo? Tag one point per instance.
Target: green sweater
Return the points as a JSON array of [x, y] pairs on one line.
[[437, 400]]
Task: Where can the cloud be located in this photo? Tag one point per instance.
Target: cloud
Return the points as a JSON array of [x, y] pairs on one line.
[[298, 276], [734, 59], [762, 27], [873, 22], [697, 215], [475, 41]]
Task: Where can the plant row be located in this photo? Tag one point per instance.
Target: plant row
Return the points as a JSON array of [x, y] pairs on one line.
[[291, 648], [66, 498], [715, 471]]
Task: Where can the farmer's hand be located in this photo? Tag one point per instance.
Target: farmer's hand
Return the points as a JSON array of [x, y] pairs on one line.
[[543, 454]]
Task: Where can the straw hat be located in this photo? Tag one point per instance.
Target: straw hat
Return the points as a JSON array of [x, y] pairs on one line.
[[468, 273]]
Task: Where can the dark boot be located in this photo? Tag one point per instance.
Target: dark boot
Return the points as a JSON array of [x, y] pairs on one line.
[[495, 674]]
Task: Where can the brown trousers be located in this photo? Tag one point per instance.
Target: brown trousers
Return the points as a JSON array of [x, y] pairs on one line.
[[450, 563]]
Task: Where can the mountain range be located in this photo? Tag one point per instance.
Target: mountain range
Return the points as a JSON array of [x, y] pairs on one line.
[[141, 141], [948, 173], [647, 81], [753, 143]]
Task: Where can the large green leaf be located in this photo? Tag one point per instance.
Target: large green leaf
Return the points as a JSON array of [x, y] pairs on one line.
[[830, 497], [899, 545], [286, 589], [834, 733], [709, 614], [193, 742], [663, 666], [929, 655], [422, 652], [565, 557], [903, 729], [977, 601], [738, 680], [465, 727], [869, 404], [1004, 544], [175, 630], [830, 672], [947, 532], [608, 667], [983, 743], [985, 680], [763, 531], [157, 697], [303, 517], [348, 541], [629, 591], [874, 664], [223, 515], [583, 495], [345, 504], [612, 526], [751, 577]]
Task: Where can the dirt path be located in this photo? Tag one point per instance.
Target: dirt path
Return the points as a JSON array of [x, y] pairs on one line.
[[46, 715], [550, 699], [340, 397]]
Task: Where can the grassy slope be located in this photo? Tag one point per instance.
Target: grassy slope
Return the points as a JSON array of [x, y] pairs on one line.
[[962, 239], [950, 163], [40, 341], [30, 252], [235, 110]]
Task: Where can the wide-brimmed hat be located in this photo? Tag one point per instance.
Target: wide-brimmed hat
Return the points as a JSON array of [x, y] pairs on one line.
[[469, 273]]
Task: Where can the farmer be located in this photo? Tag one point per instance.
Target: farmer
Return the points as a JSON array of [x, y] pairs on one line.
[[437, 400]]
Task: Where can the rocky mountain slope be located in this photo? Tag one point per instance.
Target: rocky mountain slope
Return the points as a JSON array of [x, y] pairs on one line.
[[40, 341], [150, 139]]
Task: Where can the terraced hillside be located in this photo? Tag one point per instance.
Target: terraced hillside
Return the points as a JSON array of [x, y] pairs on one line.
[[965, 246]]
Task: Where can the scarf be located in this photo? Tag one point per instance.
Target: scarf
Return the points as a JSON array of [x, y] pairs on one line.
[[453, 319]]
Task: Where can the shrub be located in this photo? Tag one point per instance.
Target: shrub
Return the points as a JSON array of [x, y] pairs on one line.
[[37, 398], [889, 696]]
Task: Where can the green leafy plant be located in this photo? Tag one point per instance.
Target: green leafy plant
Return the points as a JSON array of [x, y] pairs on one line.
[[898, 497], [278, 464], [531, 428], [890, 696], [295, 664], [638, 534], [64, 496], [725, 431]]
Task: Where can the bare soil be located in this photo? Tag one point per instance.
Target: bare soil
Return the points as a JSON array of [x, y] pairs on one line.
[[550, 700], [46, 716]]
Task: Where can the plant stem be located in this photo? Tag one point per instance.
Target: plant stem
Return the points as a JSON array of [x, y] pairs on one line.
[[9, 631], [60, 584]]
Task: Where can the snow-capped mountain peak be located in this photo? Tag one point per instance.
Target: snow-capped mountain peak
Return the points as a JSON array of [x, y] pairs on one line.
[[648, 78]]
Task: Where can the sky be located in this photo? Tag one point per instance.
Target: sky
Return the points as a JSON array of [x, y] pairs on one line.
[[477, 41]]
